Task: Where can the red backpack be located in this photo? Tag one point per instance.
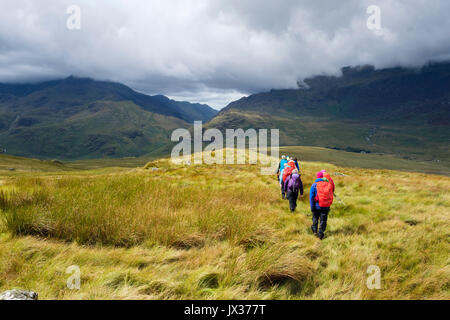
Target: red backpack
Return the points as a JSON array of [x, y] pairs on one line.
[[324, 194], [288, 170]]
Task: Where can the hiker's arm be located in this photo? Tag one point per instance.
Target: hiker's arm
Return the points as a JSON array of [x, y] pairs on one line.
[[285, 184], [312, 194], [301, 187]]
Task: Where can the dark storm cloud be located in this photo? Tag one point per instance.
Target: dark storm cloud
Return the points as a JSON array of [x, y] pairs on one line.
[[215, 51]]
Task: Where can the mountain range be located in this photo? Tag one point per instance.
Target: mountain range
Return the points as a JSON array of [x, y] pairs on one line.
[[400, 111], [78, 118]]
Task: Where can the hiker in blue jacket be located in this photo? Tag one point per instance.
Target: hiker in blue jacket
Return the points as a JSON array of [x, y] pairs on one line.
[[280, 179], [292, 186], [318, 212], [281, 166]]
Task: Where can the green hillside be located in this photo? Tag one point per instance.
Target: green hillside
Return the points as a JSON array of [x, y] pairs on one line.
[[82, 118], [394, 111], [400, 112]]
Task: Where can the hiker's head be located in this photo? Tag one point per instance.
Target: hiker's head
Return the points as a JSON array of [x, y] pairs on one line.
[[295, 171], [319, 175], [283, 157], [326, 174], [295, 159], [291, 163]]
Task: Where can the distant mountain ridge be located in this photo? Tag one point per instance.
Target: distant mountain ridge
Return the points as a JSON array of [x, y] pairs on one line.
[[398, 111], [77, 118], [74, 91]]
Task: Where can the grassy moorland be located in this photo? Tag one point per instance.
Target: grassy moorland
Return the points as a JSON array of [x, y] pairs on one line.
[[222, 232], [13, 166]]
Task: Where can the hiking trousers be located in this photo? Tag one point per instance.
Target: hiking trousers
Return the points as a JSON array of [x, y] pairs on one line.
[[322, 215], [292, 197], [282, 189]]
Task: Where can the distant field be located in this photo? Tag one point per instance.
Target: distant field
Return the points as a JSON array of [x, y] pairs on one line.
[[304, 153], [222, 232], [372, 161], [11, 165]]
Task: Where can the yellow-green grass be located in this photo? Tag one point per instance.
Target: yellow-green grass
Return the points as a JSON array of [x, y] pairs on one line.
[[222, 232]]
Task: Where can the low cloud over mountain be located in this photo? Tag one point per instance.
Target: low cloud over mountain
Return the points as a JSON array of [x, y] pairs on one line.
[[214, 51]]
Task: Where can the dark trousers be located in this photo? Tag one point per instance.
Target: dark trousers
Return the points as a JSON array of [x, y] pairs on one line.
[[292, 197], [282, 189], [321, 215]]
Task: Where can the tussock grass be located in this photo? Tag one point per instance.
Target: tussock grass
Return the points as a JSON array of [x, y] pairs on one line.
[[222, 232], [126, 210]]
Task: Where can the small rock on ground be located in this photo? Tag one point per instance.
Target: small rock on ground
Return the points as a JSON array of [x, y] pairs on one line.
[[18, 295]]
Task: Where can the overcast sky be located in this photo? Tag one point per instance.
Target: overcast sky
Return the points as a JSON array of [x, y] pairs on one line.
[[213, 51]]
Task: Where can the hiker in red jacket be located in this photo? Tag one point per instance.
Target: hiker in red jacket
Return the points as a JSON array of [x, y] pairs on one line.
[[288, 170], [321, 199]]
